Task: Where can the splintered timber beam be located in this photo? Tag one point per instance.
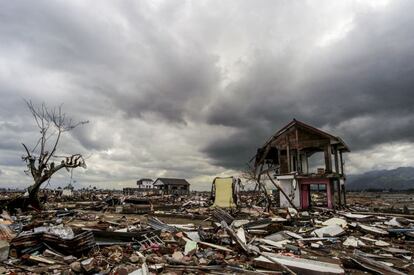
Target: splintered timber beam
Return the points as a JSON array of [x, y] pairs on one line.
[[261, 161], [298, 164], [336, 157], [288, 155], [261, 186], [235, 238], [328, 158]]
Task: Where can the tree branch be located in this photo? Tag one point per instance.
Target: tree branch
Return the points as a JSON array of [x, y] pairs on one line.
[[27, 151], [30, 162], [54, 146]]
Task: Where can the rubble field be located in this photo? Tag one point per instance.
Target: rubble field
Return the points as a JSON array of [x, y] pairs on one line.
[[109, 233]]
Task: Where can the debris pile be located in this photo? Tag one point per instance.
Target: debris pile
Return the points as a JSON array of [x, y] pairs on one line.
[[195, 237]]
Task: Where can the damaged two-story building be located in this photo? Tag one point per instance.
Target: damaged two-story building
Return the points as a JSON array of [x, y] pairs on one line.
[[286, 156]]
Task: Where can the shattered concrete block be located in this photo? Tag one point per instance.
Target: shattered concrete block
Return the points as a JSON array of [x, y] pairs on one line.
[[353, 242], [337, 221], [190, 247], [329, 231]]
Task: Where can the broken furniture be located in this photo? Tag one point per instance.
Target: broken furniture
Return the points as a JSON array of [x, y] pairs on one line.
[[224, 192]]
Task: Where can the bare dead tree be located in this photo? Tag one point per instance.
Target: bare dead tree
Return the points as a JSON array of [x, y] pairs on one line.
[[42, 160]]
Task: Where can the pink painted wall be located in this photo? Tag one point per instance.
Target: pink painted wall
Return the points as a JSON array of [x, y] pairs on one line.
[[305, 191]]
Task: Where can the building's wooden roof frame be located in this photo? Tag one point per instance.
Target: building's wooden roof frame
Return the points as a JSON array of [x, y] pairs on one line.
[[294, 122], [263, 151]]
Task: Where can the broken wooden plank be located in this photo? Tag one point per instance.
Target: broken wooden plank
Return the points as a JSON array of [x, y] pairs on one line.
[[41, 259], [303, 266], [373, 266], [372, 230], [235, 238]]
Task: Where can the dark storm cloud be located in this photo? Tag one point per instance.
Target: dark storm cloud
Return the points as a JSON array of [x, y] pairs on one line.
[[236, 150], [360, 88], [161, 74]]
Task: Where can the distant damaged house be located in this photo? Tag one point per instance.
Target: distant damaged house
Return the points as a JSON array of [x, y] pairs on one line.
[[172, 186], [285, 156]]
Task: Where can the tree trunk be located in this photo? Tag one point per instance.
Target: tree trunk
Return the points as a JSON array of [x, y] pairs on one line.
[[33, 194], [23, 202]]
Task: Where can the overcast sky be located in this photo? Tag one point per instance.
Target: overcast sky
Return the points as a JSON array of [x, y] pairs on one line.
[[191, 88]]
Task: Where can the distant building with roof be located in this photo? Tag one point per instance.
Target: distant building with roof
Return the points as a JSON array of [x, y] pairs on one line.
[[172, 186], [145, 183], [145, 186]]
